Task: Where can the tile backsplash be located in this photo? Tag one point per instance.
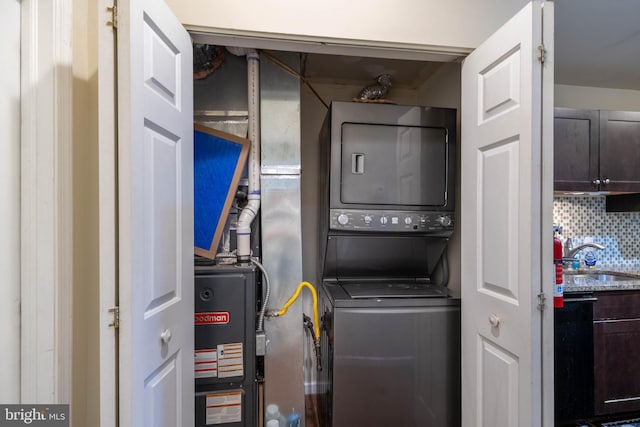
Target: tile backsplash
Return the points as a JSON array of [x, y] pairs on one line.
[[619, 232]]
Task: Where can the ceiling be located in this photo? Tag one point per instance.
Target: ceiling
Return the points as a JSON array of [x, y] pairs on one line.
[[597, 43], [355, 70]]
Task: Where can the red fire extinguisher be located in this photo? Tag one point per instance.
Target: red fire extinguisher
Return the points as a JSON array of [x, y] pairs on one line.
[[558, 290]]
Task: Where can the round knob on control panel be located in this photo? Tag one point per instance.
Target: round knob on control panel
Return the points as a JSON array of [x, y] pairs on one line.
[[343, 219], [408, 220], [383, 220], [445, 220], [367, 219]]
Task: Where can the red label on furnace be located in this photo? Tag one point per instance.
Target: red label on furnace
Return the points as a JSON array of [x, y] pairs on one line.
[[212, 318]]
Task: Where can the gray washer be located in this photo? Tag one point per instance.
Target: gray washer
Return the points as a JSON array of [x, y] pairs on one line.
[[390, 361]]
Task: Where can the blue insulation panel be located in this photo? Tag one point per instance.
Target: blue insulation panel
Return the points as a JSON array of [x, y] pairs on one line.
[[218, 162]]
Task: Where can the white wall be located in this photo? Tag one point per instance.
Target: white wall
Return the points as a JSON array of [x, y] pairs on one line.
[[454, 23], [10, 201], [596, 98]]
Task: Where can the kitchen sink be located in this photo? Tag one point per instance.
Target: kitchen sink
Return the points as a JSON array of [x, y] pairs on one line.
[[600, 277]]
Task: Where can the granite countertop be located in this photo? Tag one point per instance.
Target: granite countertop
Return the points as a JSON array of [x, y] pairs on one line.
[[601, 279]]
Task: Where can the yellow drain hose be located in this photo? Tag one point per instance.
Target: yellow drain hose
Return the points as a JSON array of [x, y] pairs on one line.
[[316, 323]]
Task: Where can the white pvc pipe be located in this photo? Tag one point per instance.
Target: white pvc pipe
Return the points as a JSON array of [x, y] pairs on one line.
[[253, 206]]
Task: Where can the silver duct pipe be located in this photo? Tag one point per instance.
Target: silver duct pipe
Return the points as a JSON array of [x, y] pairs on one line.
[[281, 229]]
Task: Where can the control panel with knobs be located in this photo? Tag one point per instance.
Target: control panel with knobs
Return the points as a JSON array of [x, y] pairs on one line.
[[390, 221]]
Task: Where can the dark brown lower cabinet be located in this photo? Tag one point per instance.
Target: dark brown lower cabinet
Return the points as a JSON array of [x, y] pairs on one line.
[[616, 336]]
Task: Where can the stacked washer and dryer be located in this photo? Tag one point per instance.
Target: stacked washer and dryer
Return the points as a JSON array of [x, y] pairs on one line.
[[391, 326]]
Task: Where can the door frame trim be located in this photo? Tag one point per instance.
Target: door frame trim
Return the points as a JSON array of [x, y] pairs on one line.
[[10, 199], [547, 339], [107, 216], [46, 201]]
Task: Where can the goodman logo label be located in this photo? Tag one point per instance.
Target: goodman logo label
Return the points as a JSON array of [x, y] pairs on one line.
[[38, 415], [212, 318]]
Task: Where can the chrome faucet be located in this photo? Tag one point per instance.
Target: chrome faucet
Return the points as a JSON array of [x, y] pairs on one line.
[[571, 252]]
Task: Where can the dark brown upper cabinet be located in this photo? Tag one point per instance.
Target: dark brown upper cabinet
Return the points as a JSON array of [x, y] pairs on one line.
[[596, 150], [576, 145], [620, 151]]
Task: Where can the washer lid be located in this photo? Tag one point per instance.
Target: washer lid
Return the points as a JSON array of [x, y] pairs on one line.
[[394, 290]]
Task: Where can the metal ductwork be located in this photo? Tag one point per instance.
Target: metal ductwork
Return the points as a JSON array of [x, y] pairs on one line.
[[282, 230]]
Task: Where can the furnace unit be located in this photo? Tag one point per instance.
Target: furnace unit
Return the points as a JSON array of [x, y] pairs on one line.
[[225, 354]]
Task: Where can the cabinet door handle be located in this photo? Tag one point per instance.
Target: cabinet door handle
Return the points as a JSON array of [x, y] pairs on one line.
[[635, 319], [597, 181], [588, 299]]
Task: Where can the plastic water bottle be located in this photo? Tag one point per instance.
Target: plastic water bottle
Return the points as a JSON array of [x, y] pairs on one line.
[[293, 420], [273, 416]]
